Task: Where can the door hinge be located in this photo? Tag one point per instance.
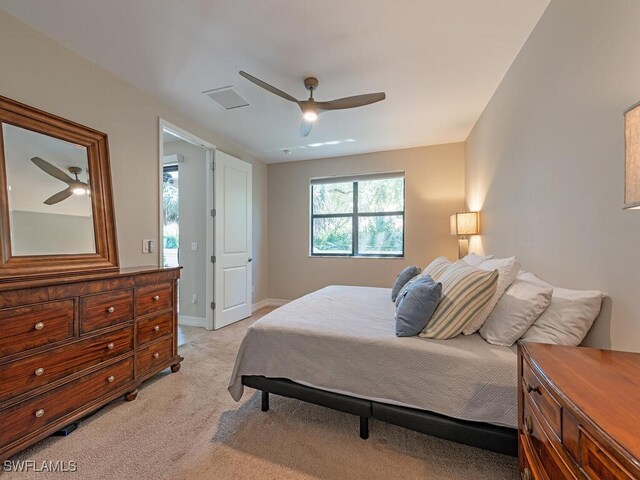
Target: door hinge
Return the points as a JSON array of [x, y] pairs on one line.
[[213, 305], [213, 259], [212, 166], [213, 212]]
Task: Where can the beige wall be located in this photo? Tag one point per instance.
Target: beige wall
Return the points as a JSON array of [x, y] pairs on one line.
[[434, 190], [193, 221], [545, 160], [46, 75]]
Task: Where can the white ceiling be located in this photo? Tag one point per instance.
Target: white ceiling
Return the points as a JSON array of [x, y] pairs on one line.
[[439, 61]]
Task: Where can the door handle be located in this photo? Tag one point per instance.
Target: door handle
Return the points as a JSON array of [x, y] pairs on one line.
[[250, 260]]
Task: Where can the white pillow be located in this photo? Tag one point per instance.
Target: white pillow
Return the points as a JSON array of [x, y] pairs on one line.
[[519, 307], [567, 319], [507, 268], [475, 260], [531, 278]]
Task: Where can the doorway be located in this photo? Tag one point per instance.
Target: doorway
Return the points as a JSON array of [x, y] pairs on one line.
[[206, 227], [186, 225]]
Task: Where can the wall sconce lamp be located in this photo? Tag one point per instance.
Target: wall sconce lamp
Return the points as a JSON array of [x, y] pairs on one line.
[[463, 225], [632, 157]]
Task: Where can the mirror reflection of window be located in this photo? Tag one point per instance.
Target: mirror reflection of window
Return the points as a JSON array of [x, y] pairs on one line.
[[49, 195]]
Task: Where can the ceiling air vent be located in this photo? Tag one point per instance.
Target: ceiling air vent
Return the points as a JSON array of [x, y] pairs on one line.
[[227, 97]]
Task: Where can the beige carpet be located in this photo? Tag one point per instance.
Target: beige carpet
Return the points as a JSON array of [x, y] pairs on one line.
[[186, 426]]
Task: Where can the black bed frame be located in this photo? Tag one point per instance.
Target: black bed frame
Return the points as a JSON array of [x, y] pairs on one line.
[[482, 435]]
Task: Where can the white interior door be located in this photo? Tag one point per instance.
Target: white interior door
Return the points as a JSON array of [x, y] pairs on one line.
[[233, 272]]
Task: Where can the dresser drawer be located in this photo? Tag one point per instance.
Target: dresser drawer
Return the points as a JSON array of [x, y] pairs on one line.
[[153, 356], [35, 371], [153, 298], [537, 392], [23, 328], [41, 411], [597, 463], [542, 445], [105, 309], [155, 327]]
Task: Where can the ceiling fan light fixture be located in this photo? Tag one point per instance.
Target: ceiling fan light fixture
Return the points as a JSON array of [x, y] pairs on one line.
[[311, 108], [80, 191], [310, 116]]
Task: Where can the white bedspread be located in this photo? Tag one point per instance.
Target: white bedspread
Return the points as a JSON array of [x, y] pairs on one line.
[[342, 339]]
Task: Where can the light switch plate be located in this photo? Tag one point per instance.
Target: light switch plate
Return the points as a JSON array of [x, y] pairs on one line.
[[148, 246], [194, 246]]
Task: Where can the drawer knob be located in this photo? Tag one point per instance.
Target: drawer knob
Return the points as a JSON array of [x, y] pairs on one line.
[[110, 346], [528, 424], [531, 389], [526, 474], [111, 379], [156, 298], [39, 326], [156, 355], [111, 309], [39, 371], [156, 328], [39, 413]]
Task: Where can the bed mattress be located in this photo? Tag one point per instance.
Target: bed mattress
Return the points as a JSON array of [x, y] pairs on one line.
[[342, 339]]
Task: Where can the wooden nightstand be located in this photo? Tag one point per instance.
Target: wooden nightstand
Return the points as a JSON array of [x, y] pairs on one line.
[[579, 413]]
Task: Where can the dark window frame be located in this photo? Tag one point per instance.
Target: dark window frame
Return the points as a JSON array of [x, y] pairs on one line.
[[355, 215]]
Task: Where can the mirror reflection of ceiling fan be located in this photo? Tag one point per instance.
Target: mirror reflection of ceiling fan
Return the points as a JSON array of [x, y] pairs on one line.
[[310, 108], [75, 186]]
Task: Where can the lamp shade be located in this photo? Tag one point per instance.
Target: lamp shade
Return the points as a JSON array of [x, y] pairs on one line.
[[465, 223], [632, 157]]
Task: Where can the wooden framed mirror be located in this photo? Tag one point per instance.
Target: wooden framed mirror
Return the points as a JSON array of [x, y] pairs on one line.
[[56, 205]]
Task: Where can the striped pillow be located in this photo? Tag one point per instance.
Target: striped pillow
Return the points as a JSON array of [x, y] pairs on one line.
[[436, 268], [465, 290]]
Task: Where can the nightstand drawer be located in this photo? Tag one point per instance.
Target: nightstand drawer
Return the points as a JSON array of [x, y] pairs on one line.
[[597, 463], [594, 392], [155, 327], [106, 309], [537, 392], [541, 444], [530, 469], [24, 328], [153, 298]]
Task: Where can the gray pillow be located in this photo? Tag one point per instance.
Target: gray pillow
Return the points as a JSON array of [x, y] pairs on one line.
[[403, 277], [415, 305]]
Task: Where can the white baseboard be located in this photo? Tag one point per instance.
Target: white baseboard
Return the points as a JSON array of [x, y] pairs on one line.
[[268, 302], [192, 321]]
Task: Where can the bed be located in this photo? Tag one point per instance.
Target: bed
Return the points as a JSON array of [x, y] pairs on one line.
[[337, 347]]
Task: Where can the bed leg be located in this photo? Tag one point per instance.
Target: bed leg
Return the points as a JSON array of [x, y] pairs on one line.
[[364, 428], [265, 401]]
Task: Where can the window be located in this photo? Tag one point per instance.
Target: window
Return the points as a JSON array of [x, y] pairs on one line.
[[358, 216]]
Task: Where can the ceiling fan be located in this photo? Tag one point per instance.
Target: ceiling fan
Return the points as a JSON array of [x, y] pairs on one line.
[[75, 186], [310, 108]]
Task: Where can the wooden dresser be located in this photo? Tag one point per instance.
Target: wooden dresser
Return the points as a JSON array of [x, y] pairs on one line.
[[579, 413], [69, 346]]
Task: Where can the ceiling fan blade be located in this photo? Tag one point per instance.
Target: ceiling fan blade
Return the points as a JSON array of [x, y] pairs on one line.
[[52, 170], [58, 197], [305, 128], [268, 87], [351, 102]]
